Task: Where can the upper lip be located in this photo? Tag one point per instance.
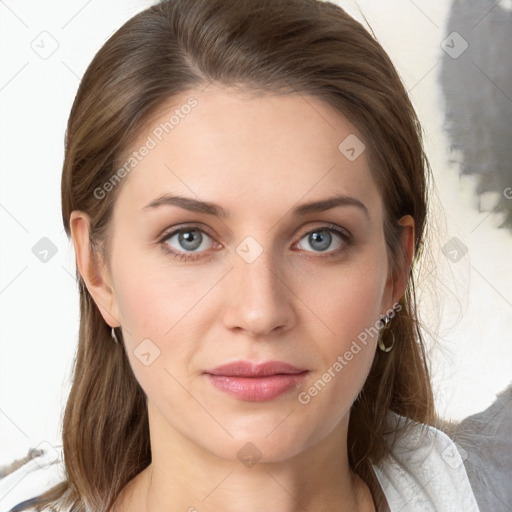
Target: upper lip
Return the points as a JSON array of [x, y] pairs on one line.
[[248, 369]]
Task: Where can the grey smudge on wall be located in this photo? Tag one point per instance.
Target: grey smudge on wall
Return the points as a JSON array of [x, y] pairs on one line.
[[477, 87]]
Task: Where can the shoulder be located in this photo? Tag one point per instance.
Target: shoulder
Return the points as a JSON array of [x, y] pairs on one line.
[[424, 471], [485, 442], [38, 474]]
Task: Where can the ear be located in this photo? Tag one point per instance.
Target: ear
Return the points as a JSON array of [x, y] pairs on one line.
[[93, 269], [398, 281]]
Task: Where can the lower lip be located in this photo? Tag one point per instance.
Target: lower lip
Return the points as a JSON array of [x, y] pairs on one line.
[[257, 389]]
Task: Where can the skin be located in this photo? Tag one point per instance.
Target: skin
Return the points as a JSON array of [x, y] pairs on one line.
[[257, 157]]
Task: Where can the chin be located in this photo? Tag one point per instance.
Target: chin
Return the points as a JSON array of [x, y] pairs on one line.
[[268, 439], [250, 451]]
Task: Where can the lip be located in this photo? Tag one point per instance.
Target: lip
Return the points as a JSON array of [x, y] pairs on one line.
[[256, 382]]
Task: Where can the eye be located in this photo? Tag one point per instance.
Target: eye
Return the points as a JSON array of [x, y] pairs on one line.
[[187, 240], [322, 238]]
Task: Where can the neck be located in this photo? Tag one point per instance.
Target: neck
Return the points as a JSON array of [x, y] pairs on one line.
[[195, 480]]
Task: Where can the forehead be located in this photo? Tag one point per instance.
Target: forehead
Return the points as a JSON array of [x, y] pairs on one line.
[[246, 152]]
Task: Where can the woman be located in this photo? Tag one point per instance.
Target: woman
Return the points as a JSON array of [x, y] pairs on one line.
[[246, 191]]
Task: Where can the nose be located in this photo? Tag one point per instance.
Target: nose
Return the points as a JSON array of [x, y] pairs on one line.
[[259, 299]]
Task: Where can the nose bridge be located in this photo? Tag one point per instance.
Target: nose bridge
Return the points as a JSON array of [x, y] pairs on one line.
[[259, 299]]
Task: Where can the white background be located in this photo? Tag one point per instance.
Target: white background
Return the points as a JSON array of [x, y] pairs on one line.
[[467, 306]]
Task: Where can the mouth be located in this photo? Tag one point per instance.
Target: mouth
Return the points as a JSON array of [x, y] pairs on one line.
[[256, 382]]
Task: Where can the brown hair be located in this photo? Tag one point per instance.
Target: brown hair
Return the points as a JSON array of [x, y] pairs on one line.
[[278, 46]]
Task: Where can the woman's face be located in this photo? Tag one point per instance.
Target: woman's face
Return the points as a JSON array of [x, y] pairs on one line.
[[270, 280]]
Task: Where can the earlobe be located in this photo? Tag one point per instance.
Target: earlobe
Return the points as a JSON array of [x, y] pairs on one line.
[[92, 270]]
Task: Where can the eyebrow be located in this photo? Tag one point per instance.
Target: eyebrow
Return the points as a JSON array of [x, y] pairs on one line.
[[209, 208]]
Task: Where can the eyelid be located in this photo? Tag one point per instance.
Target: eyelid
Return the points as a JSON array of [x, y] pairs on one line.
[[338, 229], [168, 233]]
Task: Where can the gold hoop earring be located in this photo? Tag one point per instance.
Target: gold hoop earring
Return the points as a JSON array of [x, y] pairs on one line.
[[382, 347]]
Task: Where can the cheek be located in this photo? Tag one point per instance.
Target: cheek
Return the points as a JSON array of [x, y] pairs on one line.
[[164, 313], [156, 310], [348, 299], [154, 293], [350, 306]]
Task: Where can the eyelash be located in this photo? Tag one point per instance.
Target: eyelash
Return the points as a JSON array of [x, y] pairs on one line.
[[183, 256]]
